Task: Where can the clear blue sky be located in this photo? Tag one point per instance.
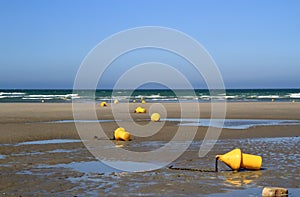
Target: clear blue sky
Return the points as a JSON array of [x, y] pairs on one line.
[[256, 43]]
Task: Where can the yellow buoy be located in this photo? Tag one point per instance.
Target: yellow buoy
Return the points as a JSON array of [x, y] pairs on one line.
[[103, 104], [121, 134], [155, 117], [232, 159], [143, 101], [236, 160], [134, 101], [116, 101], [140, 110], [251, 162]]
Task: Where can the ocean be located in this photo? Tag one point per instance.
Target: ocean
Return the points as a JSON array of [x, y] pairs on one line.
[[157, 95]]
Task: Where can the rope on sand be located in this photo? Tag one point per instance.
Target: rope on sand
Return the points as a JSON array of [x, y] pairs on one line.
[[191, 169]]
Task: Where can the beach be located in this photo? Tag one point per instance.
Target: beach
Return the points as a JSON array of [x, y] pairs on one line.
[[42, 169]]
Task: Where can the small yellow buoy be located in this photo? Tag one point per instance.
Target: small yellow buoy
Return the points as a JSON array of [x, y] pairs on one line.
[[236, 160], [140, 110], [273, 100], [143, 101], [134, 101], [116, 101], [121, 134], [155, 117], [103, 104]]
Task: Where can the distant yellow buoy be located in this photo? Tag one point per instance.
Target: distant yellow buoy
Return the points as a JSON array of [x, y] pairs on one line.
[[121, 134], [155, 117], [43, 101], [143, 101], [273, 100], [293, 101], [140, 110], [103, 104], [134, 101], [116, 101], [236, 160]]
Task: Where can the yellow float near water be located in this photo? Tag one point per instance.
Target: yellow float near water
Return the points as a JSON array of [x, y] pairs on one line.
[[116, 101], [103, 104], [236, 160], [121, 134], [140, 110], [143, 101], [155, 117]]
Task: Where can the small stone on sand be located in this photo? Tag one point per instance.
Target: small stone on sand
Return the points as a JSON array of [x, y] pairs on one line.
[[274, 191]]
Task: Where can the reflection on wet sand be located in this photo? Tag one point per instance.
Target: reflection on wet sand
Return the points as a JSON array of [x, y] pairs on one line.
[[240, 179]]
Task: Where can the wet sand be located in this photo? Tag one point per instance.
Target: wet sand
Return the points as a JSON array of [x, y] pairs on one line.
[[35, 170]]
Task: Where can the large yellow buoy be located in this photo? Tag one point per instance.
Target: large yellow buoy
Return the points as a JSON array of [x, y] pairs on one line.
[[236, 160], [121, 134], [103, 104], [155, 117], [140, 110], [251, 162]]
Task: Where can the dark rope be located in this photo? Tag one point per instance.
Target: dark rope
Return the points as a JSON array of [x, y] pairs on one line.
[[191, 169]]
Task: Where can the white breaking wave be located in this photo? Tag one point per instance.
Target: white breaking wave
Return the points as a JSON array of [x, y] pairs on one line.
[[51, 96], [154, 96], [10, 97], [295, 95], [220, 97], [12, 93], [36, 98], [268, 96]]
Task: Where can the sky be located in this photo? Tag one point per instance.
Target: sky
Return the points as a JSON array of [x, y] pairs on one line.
[[255, 44]]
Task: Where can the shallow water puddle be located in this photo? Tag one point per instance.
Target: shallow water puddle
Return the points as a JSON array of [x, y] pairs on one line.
[[231, 123], [99, 167], [80, 121], [42, 153], [218, 123], [61, 151], [53, 141], [87, 167]]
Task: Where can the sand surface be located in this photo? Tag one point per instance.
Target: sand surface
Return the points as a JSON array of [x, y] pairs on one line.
[[44, 170]]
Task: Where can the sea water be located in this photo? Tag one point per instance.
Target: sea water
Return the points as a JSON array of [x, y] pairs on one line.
[[231, 123], [150, 95]]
